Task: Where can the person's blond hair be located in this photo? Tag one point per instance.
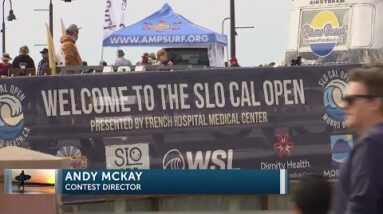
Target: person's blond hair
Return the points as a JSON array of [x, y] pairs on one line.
[[161, 52]]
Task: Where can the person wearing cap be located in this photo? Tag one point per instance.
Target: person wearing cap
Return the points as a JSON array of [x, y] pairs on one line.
[[5, 65], [23, 60], [69, 48], [145, 60], [121, 60], [44, 62]]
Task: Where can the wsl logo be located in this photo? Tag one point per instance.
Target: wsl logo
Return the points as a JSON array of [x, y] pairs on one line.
[[12, 130], [173, 159], [209, 159], [324, 33], [334, 84]]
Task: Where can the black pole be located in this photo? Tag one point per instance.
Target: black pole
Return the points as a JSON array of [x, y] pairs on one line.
[[232, 28], [3, 29], [51, 17]]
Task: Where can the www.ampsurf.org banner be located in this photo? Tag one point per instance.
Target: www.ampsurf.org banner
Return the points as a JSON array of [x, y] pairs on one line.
[[267, 118]]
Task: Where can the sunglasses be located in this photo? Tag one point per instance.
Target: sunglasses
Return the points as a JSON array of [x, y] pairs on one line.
[[350, 99]]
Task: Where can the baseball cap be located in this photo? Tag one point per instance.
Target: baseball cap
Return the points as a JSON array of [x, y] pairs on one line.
[[145, 55], [120, 52], [6, 56], [73, 28], [44, 51]]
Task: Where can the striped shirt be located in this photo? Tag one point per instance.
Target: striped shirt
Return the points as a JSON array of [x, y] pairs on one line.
[[43, 64]]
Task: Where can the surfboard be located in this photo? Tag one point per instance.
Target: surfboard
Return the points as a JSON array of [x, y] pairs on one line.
[[22, 177]]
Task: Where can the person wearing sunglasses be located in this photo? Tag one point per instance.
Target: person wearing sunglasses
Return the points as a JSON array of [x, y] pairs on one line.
[[360, 186]]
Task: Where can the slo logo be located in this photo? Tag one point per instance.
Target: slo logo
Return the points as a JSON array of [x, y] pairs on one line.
[[12, 130], [324, 33], [129, 156], [210, 159], [334, 84], [341, 146]]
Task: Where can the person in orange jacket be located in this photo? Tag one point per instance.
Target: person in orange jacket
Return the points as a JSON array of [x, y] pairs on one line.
[[69, 48]]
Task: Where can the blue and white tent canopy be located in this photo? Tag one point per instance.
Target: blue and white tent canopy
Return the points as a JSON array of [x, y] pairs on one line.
[[164, 28]]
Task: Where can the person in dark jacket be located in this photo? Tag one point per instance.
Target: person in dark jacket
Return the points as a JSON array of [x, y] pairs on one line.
[[44, 62], [23, 60], [360, 186]]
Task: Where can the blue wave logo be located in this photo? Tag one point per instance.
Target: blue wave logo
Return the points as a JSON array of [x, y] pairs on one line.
[[333, 96], [11, 117]]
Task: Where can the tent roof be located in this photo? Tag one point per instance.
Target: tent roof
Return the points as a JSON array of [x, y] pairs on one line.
[[14, 153], [164, 28]]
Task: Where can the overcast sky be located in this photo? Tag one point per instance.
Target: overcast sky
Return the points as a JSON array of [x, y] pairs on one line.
[[263, 44]]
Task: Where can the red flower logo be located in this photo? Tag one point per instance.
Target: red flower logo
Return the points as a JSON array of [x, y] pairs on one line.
[[283, 145]]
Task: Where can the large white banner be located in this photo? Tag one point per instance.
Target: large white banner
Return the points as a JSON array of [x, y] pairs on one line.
[[122, 21], [114, 18], [110, 24]]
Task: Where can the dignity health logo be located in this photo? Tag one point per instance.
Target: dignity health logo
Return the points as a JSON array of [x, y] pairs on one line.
[[323, 33], [283, 145], [12, 130]]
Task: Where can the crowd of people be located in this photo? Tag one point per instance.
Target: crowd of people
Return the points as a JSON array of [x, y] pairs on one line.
[[161, 58], [71, 56], [23, 61]]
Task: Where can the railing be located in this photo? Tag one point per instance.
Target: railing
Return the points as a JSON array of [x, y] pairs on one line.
[[69, 70]]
